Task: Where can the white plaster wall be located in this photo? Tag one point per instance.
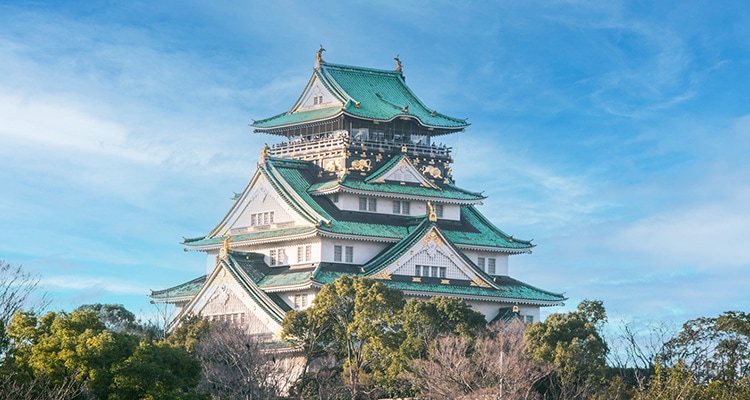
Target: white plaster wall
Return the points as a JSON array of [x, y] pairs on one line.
[[363, 251], [289, 297], [262, 198], [501, 260], [490, 309], [350, 202]]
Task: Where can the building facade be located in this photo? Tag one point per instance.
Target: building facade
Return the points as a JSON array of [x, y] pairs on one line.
[[356, 183]]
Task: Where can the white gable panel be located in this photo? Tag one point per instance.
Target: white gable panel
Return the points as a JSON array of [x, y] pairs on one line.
[[433, 251], [434, 258], [224, 299], [317, 96], [259, 199], [404, 171]]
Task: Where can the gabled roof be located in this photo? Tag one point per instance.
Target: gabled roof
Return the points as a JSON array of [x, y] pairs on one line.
[[377, 184], [295, 183], [182, 291], [368, 93], [402, 160], [391, 254], [245, 268]]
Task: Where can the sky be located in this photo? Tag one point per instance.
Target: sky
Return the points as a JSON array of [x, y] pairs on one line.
[[615, 134]]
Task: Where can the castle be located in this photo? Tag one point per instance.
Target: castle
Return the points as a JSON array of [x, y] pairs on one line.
[[357, 183]]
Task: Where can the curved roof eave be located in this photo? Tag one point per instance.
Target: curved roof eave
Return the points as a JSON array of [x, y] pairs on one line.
[[410, 116]]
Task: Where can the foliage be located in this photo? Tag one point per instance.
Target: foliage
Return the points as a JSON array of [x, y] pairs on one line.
[[156, 371], [573, 342], [189, 333], [363, 334], [362, 317], [58, 347], [708, 359], [115, 317]]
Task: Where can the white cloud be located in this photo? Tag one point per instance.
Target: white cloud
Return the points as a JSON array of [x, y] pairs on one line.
[[84, 283]]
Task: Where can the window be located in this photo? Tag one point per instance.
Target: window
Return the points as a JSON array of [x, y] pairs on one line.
[[335, 197], [529, 319], [264, 218], [276, 257], [401, 207], [349, 254], [304, 253], [439, 210], [491, 266], [337, 253], [430, 271], [480, 263], [368, 204], [300, 301]]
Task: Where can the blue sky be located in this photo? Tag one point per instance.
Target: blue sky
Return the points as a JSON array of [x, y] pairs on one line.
[[615, 134]]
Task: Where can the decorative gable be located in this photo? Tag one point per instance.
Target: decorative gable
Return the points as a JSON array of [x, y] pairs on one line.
[[260, 208], [316, 96], [223, 298], [401, 171], [431, 257]]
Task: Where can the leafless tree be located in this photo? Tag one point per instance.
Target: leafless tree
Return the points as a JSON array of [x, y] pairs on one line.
[[493, 367], [40, 388], [16, 289], [635, 350], [238, 365]]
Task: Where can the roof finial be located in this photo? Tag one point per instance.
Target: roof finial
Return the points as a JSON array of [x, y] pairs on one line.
[[431, 212], [264, 153], [398, 63], [225, 246], [319, 57]]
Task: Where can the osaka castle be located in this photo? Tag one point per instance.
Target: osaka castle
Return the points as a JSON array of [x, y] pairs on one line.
[[356, 182]]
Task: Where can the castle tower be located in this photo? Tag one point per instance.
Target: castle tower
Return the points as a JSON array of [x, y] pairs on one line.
[[356, 182]]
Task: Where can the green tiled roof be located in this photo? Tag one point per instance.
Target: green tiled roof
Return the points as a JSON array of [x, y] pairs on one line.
[[288, 118], [515, 290], [366, 93], [294, 182], [289, 277], [508, 288], [486, 234], [390, 255], [189, 288], [249, 236], [448, 193]]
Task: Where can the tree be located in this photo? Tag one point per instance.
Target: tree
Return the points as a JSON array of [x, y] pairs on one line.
[[492, 366], [39, 388], [360, 315], [156, 370], [236, 365], [61, 346], [709, 358], [573, 342], [16, 288], [423, 321], [115, 317]]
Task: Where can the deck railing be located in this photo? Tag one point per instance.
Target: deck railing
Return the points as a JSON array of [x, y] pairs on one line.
[[319, 143]]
